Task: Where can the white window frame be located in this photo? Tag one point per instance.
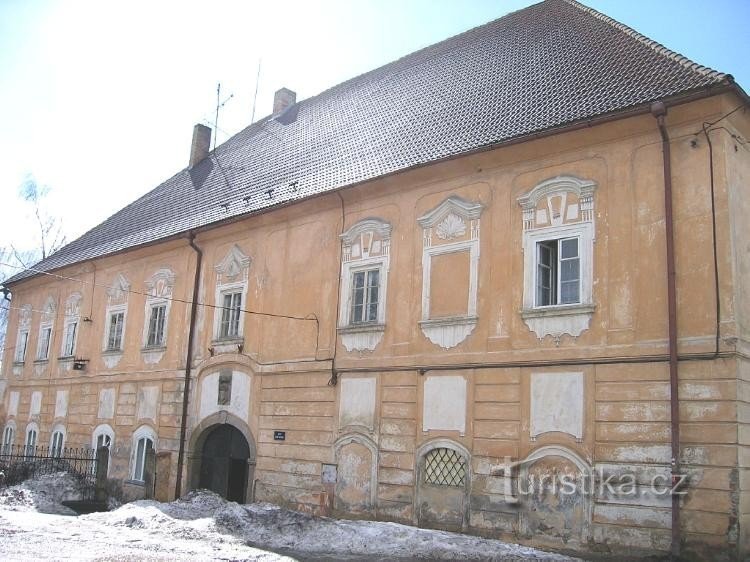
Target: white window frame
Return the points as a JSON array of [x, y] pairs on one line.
[[43, 346], [56, 449], [238, 289], [22, 344], [232, 275], [365, 247], [104, 431], [138, 462], [69, 341], [162, 341], [540, 224], [112, 311]]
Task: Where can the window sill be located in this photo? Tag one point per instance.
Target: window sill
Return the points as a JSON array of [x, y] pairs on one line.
[[66, 358], [361, 337], [449, 331], [228, 340], [41, 361], [19, 363], [227, 345], [571, 319], [112, 352], [139, 483], [153, 349]]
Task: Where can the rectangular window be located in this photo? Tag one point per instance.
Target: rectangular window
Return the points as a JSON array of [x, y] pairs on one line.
[[558, 272], [114, 336], [365, 293], [156, 326], [23, 339], [230, 315], [45, 335], [69, 346]]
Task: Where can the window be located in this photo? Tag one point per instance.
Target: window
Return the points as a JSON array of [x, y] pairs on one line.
[[21, 341], [139, 466], [103, 440], [558, 272], [558, 254], [230, 315], [57, 442], [365, 291], [103, 436], [365, 259], [45, 338], [9, 435], [69, 342], [115, 331], [156, 326], [444, 467], [31, 434], [225, 388]]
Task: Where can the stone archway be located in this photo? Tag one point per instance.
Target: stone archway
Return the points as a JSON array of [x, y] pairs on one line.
[[222, 457]]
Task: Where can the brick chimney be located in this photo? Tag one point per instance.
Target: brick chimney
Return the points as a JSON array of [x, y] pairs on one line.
[[282, 99], [201, 144]]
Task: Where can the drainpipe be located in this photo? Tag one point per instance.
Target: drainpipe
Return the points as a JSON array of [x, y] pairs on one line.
[[188, 364], [659, 111]]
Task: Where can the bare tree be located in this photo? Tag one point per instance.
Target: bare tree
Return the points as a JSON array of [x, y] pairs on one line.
[[50, 237]]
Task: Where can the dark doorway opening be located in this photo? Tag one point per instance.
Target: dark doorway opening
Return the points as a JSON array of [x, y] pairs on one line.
[[224, 463]]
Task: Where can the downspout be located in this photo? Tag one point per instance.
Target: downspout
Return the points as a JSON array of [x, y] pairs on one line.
[[188, 364], [659, 111]]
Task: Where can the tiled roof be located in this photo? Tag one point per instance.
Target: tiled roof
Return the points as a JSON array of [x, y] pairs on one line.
[[540, 68]]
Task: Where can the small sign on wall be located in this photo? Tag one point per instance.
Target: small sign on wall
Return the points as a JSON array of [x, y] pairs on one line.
[[279, 435]]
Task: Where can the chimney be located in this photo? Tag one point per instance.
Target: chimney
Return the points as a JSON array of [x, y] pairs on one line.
[[282, 99], [201, 144]]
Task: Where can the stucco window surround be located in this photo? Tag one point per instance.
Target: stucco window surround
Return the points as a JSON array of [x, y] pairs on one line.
[[159, 288], [46, 331], [144, 438], [116, 315], [365, 263], [451, 227], [71, 326], [558, 209], [232, 275], [22, 337]]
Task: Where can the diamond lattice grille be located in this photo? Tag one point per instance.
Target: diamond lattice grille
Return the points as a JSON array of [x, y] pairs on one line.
[[444, 467]]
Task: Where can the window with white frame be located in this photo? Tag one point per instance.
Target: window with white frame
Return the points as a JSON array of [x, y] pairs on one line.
[[156, 325], [364, 282], [9, 435], [144, 439], [45, 338], [103, 436], [115, 330], [70, 331], [116, 317], [558, 238], [231, 296], [21, 342], [231, 309], [158, 300], [57, 442]]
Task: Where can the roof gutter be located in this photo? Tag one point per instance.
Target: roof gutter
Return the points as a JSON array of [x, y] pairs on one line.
[[643, 109], [659, 111], [188, 363]]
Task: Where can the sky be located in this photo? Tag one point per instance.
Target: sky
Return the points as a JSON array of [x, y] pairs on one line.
[[98, 99]]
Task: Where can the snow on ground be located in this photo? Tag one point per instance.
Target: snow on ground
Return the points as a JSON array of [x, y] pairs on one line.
[[204, 526]]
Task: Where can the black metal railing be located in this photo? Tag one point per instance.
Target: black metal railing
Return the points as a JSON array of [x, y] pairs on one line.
[[21, 462]]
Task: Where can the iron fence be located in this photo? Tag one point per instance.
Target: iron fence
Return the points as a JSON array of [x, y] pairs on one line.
[[21, 462]]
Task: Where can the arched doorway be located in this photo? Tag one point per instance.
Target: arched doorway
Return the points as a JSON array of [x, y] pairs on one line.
[[224, 462]]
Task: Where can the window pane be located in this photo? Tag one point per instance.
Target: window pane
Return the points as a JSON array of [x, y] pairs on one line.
[[569, 248], [569, 292], [569, 270], [140, 457], [358, 296], [116, 322], [546, 273], [70, 339]]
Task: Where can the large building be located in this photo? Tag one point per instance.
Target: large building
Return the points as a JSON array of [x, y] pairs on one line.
[[428, 295]]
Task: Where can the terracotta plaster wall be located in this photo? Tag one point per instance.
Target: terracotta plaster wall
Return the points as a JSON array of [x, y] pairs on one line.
[[290, 335]]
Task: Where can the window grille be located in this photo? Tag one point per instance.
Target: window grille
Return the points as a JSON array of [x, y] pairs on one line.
[[230, 315], [114, 338], [444, 467]]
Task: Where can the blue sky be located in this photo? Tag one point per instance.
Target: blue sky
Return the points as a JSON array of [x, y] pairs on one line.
[[98, 99]]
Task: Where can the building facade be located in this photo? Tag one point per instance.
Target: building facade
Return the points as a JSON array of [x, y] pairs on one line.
[[440, 346]]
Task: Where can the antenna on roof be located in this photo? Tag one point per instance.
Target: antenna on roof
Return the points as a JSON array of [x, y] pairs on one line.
[[255, 97], [219, 105]]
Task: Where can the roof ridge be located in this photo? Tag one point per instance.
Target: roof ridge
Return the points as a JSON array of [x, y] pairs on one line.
[[655, 45]]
